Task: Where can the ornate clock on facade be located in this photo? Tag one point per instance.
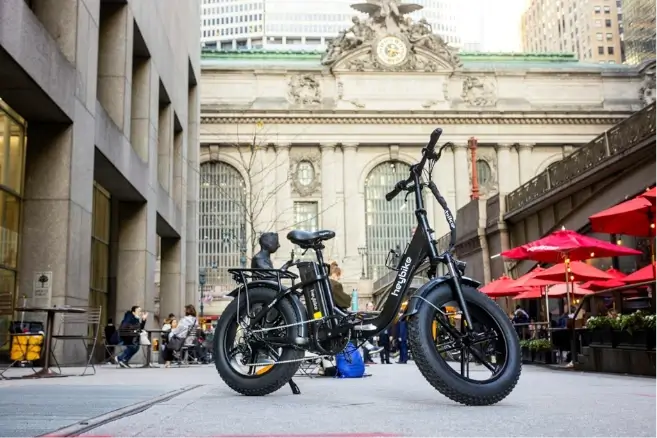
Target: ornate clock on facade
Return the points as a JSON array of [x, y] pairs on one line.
[[391, 51]]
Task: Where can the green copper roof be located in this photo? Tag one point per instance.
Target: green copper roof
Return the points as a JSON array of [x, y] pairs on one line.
[[311, 59]]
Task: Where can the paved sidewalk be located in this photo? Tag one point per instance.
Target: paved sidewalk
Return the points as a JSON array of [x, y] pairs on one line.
[[34, 407], [395, 401]]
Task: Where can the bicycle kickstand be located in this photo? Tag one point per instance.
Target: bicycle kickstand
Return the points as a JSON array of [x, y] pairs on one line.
[[294, 387]]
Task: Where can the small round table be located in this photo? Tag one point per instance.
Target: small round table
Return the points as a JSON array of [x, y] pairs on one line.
[[149, 352], [50, 324]]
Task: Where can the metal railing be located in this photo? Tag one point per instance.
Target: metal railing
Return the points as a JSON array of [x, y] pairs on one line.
[[615, 141]]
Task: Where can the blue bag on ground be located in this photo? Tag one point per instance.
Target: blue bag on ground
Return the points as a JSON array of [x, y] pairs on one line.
[[350, 363]]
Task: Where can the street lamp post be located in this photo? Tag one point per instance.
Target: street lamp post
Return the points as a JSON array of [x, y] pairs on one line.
[[201, 282], [362, 252]]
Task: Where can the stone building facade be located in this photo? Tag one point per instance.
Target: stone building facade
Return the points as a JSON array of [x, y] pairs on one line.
[[317, 140], [99, 126]]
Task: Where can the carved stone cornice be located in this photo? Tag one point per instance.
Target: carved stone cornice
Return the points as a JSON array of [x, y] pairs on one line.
[[282, 147], [328, 146], [503, 146], [411, 120]]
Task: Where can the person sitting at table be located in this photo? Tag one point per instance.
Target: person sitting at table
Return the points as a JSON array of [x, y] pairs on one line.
[[180, 334], [133, 323]]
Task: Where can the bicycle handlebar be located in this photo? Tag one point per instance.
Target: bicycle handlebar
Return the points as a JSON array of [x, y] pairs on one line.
[[428, 151], [416, 171]]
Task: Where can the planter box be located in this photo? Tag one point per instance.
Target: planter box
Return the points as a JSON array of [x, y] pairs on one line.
[[602, 337], [543, 356], [637, 339], [527, 355], [650, 339]]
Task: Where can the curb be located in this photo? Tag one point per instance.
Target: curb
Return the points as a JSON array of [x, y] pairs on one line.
[[92, 423]]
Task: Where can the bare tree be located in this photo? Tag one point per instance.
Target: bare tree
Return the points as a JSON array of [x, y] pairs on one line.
[[262, 185], [256, 200]]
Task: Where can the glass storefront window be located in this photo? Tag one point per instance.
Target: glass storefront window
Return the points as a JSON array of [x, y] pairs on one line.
[[7, 287], [10, 209], [13, 176], [12, 155], [100, 244]]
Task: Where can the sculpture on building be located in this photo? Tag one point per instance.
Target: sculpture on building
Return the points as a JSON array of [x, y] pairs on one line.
[[479, 91], [389, 40], [268, 245], [304, 90], [647, 90]]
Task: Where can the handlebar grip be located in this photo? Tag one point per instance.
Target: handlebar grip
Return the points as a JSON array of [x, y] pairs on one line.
[[433, 139], [393, 193]]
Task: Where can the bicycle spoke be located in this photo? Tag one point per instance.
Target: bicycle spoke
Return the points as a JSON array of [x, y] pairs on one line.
[[482, 359]]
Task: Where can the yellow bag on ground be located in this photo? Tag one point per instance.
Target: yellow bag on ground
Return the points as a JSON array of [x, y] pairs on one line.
[[26, 347]]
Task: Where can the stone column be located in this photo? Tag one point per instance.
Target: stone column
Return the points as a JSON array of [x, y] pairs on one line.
[[340, 230], [135, 277], [461, 174], [191, 172], [172, 294], [328, 207], [284, 206], [351, 203], [57, 194], [504, 166], [525, 162]]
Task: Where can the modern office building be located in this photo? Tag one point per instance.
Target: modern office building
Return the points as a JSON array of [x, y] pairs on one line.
[[301, 24], [639, 30], [591, 29], [99, 115]]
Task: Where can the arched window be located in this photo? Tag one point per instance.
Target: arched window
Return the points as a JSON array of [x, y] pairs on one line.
[[483, 172], [388, 224], [222, 223]]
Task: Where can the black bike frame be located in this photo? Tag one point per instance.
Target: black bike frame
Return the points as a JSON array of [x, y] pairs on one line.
[[421, 247]]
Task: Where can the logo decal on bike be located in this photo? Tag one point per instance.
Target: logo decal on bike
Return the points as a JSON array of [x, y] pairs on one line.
[[403, 276]]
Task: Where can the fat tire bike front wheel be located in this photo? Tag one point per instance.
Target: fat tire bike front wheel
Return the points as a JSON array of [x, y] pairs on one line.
[[496, 348]]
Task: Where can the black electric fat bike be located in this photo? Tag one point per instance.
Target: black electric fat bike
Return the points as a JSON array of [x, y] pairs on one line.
[[264, 333]]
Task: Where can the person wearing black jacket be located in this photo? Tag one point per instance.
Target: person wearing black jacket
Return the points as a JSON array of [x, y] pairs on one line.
[[133, 323], [384, 341]]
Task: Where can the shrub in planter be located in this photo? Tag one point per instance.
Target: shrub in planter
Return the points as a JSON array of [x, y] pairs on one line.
[[649, 321], [527, 354], [542, 350], [634, 329], [601, 329]]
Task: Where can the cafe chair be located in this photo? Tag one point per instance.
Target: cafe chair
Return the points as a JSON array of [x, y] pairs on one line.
[[87, 326]]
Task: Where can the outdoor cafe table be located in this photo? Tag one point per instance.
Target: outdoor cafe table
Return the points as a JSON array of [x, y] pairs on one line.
[[149, 351], [50, 324]]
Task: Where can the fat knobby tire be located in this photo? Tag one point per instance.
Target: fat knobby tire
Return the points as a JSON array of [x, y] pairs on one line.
[[439, 373], [275, 378]]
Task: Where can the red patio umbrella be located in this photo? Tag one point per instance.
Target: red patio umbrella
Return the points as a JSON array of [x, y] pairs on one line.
[[528, 280], [555, 247], [576, 271], [606, 284], [650, 194], [501, 288], [644, 274], [635, 217], [560, 290], [533, 293]]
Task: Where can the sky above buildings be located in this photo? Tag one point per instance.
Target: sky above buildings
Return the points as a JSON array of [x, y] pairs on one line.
[[496, 23]]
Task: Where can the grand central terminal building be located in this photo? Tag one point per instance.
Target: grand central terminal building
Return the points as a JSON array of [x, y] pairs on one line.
[[308, 140]]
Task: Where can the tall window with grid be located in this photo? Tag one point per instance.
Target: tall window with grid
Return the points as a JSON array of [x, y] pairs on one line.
[[222, 223], [388, 224]]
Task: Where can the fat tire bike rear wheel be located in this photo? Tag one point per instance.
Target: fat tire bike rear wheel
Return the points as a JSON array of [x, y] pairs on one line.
[[490, 322], [229, 336]]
